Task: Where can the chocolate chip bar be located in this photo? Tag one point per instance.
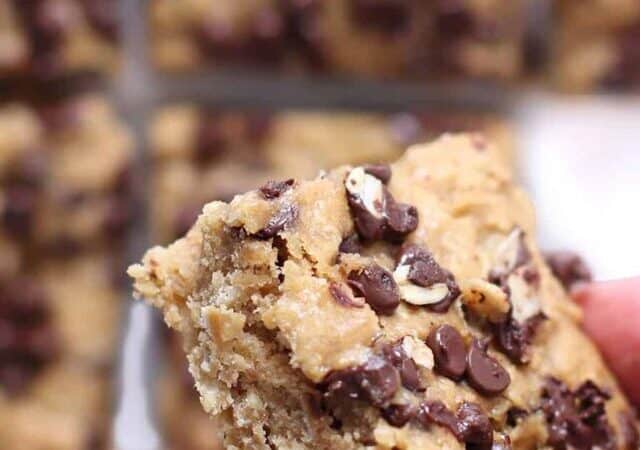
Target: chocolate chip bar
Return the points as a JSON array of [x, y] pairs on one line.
[[597, 45], [58, 337], [363, 38], [65, 179], [201, 154], [393, 307], [47, 40]]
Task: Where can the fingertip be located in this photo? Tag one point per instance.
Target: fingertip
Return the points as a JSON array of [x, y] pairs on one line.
[[612, 319]]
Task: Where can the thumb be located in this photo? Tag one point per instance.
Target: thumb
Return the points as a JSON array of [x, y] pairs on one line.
[[612, 319]]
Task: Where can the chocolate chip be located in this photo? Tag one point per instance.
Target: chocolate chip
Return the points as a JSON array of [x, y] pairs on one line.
[[257, 126], [484, 373], [399, 415], [268, 33], [402, 219], [474, 427], [50, 21], [407, 367], [119, 216], [375, 382], [103, 16], [381, 171], [449, 351], [343, 297], [211, 142], [350, 244], [219, 39], [287, 215], [629, 431], [19, 211], [454, 19], [576, 419], [514, 339], [387, 16], [435, 412], [569, 268], [274, 189], [516, 414], [377, 286], [425, 271]]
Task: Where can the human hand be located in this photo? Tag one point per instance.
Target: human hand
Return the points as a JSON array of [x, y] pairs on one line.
[[612, 319]]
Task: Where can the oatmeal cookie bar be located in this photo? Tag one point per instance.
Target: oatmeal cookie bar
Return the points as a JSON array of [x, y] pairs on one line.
[[64, 174], [59, 326], [46, 40], [597, 45], [401, 307], [367, 38], [201, 154]]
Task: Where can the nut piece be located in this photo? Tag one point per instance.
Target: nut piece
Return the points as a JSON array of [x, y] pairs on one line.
[[418, 295], [485, 299], [524, 300], [511, 254], [368, 189], [418, 351]]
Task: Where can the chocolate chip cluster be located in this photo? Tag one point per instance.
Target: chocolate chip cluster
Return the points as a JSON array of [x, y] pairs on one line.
[[27, 340], [577, 419], [381, 376]]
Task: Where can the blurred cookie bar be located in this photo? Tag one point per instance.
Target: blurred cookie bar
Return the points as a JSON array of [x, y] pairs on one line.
[[58, 335], [597, 45], [201, 154], [409, 39], [49, 39], [390, 307], [64, 174]]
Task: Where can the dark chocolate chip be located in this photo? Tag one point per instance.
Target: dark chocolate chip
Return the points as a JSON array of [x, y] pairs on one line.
[[387, 16], [50, 22], [407, 367], [211, 142], [402, 219], [119, 216], [274, 189], [350, 244], [474, 427], [287, 215], [425, 271], [103, 16], [368, 226], [19, 211], [375, 382], [514, 339], [484, 373], [576, 419], [378, 287], [435, 412], [268, 36], [515, 415], [399, 415], [343, 297], [629, 431], [569, 268], [381, 171], [454, 20], [449, 351]]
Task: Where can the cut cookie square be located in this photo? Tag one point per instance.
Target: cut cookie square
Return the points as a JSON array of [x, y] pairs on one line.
[[389, 307]]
